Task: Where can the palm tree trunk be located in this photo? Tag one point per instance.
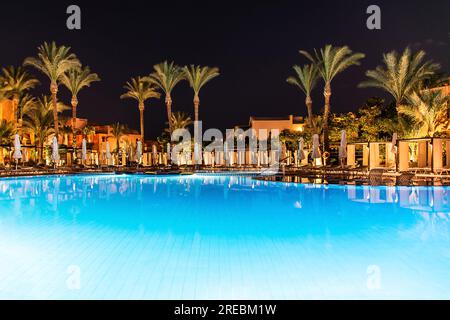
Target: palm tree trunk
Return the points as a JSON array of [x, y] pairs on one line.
[[54, 91], [117, 149], [309, 103], [141, 116], [169, 111], [40, 152], [36, 151], [15, 103], [74, 103], [196, 129], [326, 115], [196, 110]]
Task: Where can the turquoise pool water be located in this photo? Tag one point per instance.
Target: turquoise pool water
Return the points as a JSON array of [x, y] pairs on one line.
[[220, 237]]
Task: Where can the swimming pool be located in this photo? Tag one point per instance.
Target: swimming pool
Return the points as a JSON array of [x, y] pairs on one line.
[[219, 237]]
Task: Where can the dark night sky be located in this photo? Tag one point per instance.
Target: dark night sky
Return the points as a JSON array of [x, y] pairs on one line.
[[254, 45]]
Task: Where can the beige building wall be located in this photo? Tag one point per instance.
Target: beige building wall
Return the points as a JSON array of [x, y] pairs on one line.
[[267, 124], [6, 110]]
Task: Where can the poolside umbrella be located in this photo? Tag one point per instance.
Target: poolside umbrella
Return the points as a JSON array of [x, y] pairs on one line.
[[225, 153], [138, 151], [187, 154], [17, 153], [394, 143], [168, 153], [217, 156], [55, 150], [394, 149], [154, 154], [343, 145], [301, 152], [83, 150], [315, 147], [108, 152], [240, 156], [197, 153], [253, 157]]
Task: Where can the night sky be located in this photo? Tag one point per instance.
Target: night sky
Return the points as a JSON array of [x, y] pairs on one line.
[[253, 43]]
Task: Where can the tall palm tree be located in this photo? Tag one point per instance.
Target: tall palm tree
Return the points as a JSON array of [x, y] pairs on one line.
[[306, 80], [87, 131], [180, 120], [331, 61], [118, 130], [6, 131], [26, 103], [428, 110], [75, 80], [166, 76], [65, 130], [400, 75], [15, 83], [54, 61], [197, 77], [140, 91], [39, 122], [6, 136]]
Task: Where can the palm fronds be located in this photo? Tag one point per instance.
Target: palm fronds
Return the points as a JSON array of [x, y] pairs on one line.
[[401, 74]]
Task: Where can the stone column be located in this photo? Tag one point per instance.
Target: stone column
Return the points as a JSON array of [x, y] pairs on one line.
[[403, 156], [351, 154], [374, 155], [437, 151], [390, 156], [365, 155], [422, 154], [447, 149]]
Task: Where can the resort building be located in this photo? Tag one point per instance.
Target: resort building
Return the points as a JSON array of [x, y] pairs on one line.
[[290, 122], [6, 110], [97, 138], [445, 89]]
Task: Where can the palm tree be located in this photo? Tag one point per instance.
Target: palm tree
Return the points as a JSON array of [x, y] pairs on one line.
[[38, 122], [6, 131], [15, 82], [118, 130], [317, 125], [26, 103], [180, 120], [404, 126], [331, 61], [6, 135], [140, 91], [428, 110], [197, 77], [401, 75], [306, 81], [54, 61], [87, 131], [75, 80], [65, 131], [166, 76]]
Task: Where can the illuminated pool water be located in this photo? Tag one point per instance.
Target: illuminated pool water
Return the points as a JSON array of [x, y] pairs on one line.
[[211, 237]]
